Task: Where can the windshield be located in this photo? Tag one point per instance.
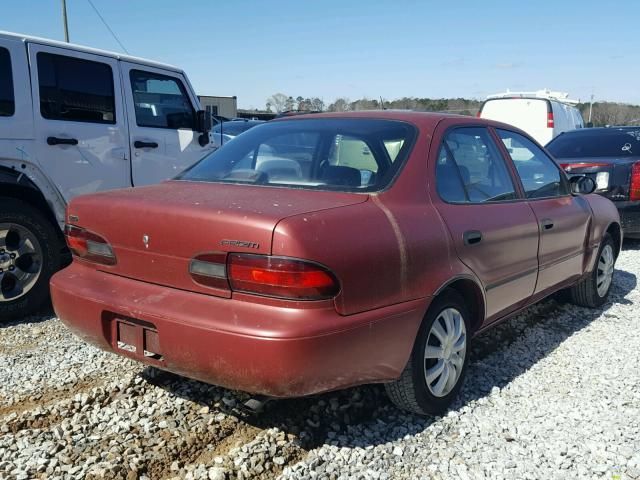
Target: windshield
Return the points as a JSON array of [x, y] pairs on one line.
[[234, 128], [326, 154], [607, 143]]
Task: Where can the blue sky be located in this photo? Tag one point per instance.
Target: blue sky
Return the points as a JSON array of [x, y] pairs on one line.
[[358, 48]]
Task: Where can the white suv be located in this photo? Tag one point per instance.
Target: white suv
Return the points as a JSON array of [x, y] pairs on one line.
[[75, 120]]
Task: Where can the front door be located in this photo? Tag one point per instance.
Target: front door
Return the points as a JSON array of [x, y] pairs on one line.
[[494, 234], [562, 218], [80, 122], [162, 119]]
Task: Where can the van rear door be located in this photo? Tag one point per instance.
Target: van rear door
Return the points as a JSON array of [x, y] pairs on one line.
[[80, 120], [527, 114], [161, 109]]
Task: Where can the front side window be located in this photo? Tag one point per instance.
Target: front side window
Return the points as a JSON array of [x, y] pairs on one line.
[[471, 169], [75, 90], [323, 154], [539, 174], [7, 100], [161, 101]]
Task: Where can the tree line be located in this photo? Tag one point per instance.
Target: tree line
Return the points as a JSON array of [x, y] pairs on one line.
[[602, 114]]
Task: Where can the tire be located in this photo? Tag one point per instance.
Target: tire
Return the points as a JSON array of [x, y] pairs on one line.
[[411, 391], [585, 293], [29, 255]]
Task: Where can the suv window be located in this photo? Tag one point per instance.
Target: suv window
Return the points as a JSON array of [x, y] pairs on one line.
[[161, 101], [75, 90], [540, 176], [7, 101], [471, 169]]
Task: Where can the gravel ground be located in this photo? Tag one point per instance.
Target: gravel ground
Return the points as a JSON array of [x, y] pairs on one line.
[[552, 393]]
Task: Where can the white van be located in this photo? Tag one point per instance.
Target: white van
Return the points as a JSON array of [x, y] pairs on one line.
[[542, 114], [75, 120]]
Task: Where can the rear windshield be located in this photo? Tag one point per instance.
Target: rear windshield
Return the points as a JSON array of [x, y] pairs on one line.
[[608, 143], [360, 155]]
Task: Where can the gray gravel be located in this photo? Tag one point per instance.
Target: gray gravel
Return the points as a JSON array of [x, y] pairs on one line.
[[552, 393]]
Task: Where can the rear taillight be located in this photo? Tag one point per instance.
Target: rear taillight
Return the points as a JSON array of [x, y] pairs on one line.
[[573, 166], [634, 193], [550, 122], [89, 246], [280, 277], [210, 269]]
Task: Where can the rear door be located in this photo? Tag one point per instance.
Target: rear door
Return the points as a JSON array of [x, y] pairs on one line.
[[162, 120], [79, 119], [562, 218], [494, 232]]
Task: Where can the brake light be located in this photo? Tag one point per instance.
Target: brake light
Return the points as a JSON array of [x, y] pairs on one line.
[[634, 193], [550, 122], [572, 166], [89, 246], [479, 113], [280, 277]]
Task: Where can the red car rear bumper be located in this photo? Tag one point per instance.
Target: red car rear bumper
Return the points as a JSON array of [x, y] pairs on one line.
[[237, 343]]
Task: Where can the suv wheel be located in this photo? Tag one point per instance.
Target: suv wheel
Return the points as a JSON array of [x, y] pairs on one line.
[[593, 290], [29, 255], [435, 371]]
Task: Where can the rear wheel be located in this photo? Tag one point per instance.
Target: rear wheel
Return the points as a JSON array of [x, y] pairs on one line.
[[435, 371], [29, 255], [593, 290]]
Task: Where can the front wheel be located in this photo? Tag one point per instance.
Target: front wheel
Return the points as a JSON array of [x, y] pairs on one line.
[[593, 290], [435, 371], [29, 255]]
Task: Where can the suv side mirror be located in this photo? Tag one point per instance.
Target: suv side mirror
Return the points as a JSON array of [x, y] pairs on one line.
[[582, 185], [204, 122]]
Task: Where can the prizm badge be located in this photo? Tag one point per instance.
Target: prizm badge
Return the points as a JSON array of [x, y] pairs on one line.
[[239, 243]]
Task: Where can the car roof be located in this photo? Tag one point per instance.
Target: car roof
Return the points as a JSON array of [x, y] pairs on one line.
[[81, 48], [426, 120]]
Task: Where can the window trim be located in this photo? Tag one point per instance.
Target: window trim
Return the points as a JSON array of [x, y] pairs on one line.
[[80, 59], [12, 89], [563, 175], [182, 88], [507, 162]]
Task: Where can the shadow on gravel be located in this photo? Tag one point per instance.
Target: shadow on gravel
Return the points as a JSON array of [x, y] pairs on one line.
[[43, 314], [363, 416]]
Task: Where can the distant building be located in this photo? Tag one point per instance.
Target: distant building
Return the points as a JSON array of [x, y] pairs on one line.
[[223, 106]]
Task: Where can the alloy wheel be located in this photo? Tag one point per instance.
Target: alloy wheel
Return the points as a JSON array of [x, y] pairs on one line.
[[445, 352], [605, 270], [20, 261]]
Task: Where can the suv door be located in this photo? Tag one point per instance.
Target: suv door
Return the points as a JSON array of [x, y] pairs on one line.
[[79, 119], [162, 120], [563, 218], [494, 234]]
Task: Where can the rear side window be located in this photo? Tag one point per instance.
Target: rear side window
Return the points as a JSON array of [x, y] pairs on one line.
[[602, 143], [539, 174], [7, 100], [313, 153], [75, 90], [470, 168], [161, 101]]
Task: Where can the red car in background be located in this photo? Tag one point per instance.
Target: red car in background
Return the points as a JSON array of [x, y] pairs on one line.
[[322, 251]]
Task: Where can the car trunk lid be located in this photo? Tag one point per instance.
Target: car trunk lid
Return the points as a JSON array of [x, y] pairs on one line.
[[156, 231]]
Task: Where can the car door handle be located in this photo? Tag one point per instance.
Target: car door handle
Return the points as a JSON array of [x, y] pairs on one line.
[[139, 144], [61, 141], [546, 224], [472, 237]]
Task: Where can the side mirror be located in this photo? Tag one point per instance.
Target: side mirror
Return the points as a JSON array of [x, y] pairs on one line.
[[582, 185], [204, 121]]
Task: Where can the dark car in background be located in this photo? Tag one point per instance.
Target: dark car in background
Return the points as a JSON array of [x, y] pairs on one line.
[[611, 156]]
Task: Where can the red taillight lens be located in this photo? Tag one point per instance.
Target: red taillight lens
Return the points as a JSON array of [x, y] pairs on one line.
[[550, 122], [281, 277], [573, 166], [634, 193], [89, 246]]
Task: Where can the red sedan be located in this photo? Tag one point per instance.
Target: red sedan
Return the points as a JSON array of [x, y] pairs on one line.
[[318, 252]]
